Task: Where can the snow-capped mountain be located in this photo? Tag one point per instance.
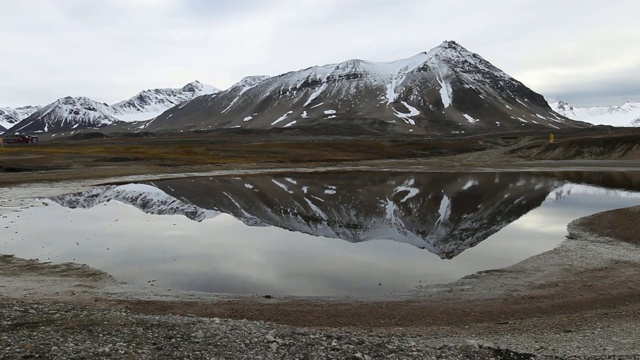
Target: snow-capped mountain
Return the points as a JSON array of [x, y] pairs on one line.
[[67, 114], [447, 89], [627, 114], [12, 116], [76, 113], [147, 198], [444, 213], [150, 103]]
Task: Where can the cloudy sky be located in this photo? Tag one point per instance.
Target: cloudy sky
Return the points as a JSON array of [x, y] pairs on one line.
[[586, 52]]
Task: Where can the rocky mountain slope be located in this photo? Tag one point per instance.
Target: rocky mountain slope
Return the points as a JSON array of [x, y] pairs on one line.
[[67, 114], [12, 116], [72, 114], [627, 114], [444, 213], [445, 90], [150, 103]]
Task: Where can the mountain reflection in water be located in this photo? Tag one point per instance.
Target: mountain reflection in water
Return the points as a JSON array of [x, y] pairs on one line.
[[445, 213]]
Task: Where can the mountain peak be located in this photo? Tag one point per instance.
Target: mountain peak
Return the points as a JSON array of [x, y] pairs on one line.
[[69, 100], [451, 44], [192, 86], [251, 80], [450, 47], [563, 105], [199, 88]]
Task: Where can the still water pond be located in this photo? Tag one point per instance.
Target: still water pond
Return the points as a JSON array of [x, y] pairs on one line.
[[350, 233]]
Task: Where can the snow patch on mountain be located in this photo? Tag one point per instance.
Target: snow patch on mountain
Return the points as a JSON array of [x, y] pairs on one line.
[[408, 187], [470, 118], [282, 118], [316, 93], [444, 210], [407, 116], [445, 92]]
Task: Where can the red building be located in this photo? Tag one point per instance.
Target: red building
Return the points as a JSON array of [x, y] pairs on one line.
[[19, 139]]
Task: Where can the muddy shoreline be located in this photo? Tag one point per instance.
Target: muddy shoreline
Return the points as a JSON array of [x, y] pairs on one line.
[[579, 299]]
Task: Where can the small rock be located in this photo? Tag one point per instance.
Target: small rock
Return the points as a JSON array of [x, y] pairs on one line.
[[199, 335], [274, 346], [474, 343]]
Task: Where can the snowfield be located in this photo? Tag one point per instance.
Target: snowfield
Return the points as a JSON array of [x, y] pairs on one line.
[[627, 114]]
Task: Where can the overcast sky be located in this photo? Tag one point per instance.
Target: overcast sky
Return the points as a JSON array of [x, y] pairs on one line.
[[586, 52]]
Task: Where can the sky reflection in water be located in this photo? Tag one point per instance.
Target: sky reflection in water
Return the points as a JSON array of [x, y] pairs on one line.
[[222, 254]]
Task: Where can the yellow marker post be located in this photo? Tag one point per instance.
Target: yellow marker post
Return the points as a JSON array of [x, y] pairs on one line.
[[551, 138]]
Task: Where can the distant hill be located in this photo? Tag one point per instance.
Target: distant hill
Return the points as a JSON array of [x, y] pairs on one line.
[[71, 114], [627, 114]]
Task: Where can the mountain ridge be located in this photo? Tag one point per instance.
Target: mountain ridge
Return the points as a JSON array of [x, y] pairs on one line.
[[70, 113], [626, 114], [11, 116], [445, 90]]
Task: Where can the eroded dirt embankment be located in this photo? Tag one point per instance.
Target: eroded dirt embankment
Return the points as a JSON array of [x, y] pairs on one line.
[[622, 147], [621, 224]]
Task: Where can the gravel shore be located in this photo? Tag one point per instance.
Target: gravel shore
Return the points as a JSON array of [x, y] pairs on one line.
[[61, 331]]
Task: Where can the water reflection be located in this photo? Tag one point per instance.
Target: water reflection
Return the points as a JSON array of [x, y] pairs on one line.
[[444, 213], [310, 234]]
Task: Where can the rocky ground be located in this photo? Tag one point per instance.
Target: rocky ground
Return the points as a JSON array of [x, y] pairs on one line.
[[31, 330]]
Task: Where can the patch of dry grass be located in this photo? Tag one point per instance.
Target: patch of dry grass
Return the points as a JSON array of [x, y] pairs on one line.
[[187, 151]]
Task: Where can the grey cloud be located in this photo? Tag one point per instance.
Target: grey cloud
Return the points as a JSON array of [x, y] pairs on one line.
[[110, 49]]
